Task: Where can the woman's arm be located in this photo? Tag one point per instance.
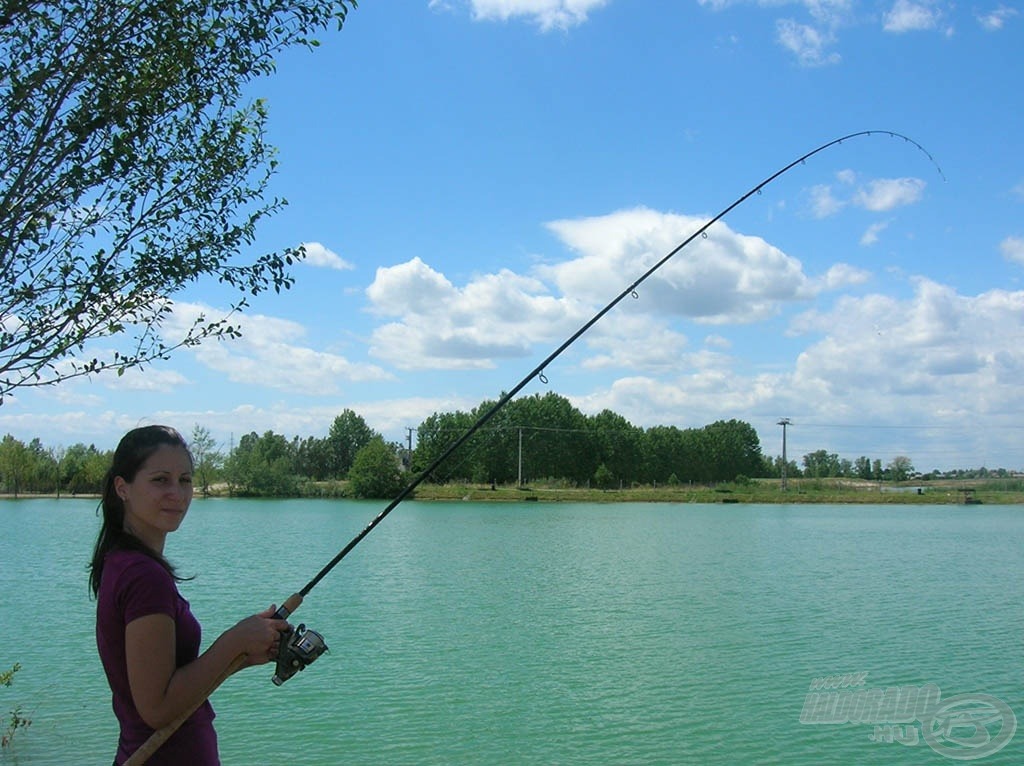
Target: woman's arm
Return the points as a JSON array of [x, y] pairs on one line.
[[161, 691]]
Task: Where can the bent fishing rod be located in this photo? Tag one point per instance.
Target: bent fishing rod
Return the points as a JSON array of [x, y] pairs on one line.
[[538, 372], [300, 647]]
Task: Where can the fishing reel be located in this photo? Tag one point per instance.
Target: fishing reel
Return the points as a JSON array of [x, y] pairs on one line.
[[299, 648]]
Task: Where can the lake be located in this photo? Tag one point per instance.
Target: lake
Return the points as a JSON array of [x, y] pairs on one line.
[[471, 633]]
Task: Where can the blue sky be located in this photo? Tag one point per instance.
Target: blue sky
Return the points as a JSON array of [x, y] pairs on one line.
[[474, 179]]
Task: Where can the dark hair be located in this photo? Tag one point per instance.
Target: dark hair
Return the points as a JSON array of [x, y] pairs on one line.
[[134, 449]]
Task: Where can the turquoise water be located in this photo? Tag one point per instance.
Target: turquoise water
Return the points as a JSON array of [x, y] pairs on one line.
[[470, 633]]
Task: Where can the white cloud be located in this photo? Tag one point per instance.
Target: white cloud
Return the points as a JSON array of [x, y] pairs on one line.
[[823, 202], [615, 344], [888, 193], [937, 345], [717, 341], [841, 275], [910, 16], [318, 255], [930, 360], [808, 43], [271, 353], [547, 14], [1013, 249], [877, 196], [726, 278], [150, 378], [66, 427], [813, 38], [446, 327], [870, 236], [847, 176], [996, 19]]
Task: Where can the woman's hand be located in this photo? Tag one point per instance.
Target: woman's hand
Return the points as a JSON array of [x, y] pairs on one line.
[[259, 636]]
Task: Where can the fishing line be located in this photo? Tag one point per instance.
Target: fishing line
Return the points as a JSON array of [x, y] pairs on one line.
[[303, 647]]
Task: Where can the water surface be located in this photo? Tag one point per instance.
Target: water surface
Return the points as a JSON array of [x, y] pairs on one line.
[[465, 633]]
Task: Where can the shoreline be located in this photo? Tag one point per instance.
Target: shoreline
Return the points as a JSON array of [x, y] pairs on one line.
[[758, 492]]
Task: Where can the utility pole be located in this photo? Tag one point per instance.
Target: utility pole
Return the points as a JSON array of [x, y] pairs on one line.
[[784, 422], [408, 454], [520, 457]]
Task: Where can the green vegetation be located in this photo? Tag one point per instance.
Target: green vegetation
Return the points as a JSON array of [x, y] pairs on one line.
[[540, 441], [132, 165], [375, 472], [16, 719], [761, 491]]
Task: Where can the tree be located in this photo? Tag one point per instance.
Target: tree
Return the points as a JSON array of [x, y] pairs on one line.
[[348, 434], [434, 436], [131, 167], [664, 453], [900, 468], [312, 459], [14, 464], [375, 472], [862, 467], [603, 478], [735, 449], [84, 468], [821, 464], [492, 454], [616, 444], [262, 465], [205, 456]]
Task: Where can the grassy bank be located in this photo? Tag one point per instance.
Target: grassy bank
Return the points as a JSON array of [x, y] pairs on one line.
[[831, 491], [797, 491]]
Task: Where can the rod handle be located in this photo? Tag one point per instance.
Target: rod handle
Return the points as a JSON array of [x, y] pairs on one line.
[[290, 604], [158, 737]]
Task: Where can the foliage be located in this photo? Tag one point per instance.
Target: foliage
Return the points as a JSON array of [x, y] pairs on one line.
[[900, 469], [206, 459], [617, 443], [375, 471], [347, 435], [603, 477], [131, 166], [16, 720], [262, 466], [33, 468], [821, 464], [14, 463], [732, 448], [434, 435]]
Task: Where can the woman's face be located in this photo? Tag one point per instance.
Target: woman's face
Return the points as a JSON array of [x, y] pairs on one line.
[[157, 499]]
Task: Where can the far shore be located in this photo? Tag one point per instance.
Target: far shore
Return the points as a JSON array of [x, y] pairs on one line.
[[761, 491]]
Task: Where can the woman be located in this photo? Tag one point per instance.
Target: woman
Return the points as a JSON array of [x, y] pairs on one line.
[[147, 638]]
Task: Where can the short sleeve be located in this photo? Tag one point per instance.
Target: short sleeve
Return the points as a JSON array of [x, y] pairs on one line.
[[146, 588]]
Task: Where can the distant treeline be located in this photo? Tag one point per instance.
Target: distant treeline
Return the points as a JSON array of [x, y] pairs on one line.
[[531, 439]]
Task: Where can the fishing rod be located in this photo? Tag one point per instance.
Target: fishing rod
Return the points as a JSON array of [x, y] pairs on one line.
[[538, 371], [299, 646]]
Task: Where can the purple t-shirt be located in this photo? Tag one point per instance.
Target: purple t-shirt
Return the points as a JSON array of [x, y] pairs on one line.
[[135, 585]]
